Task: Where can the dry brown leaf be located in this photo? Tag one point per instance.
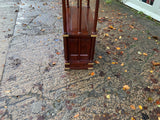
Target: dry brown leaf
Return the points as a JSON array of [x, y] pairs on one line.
[[111, 27], [135, 38], [58, 53], [77, 115], [133, 107], [100, 57], [96, 61], [155, 63], [42, 30], [131, 26]]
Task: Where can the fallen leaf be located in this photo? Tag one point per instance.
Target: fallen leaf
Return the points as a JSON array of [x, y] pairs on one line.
[[120, 37], [158, 105], [139, 53], [118, 48], [158, 118], [92, 74], [158, 102], [59, 17], [131, 26], [102, 10], [151, 71], [58, 53], [96, 61], [108, 96], [132, 118], [155, 63], [135, 38], [149, 38], [42, 30], [122, 64], [100, 57], [114, 63], [140, 107], [77, 115], [111, 27], [155, 37], [5, 107], [133, 107], [7, 91], [106, 34], [108, 47], [126, 87], [145, 54], [125, 71], [109, 78], [53, 63]]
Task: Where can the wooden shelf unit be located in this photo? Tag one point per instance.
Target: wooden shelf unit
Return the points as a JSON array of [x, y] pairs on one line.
[[79, 23]]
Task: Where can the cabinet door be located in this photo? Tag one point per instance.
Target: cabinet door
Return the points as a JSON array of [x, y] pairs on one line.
[[79, 49]]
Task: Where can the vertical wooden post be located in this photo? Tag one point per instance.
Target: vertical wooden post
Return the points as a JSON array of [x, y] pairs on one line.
[[77, 3], [96, 16], [67, 3], [88, 4], [64, 16], [80, 16]]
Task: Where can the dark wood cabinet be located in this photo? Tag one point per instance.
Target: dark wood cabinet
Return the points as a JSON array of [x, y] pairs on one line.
[[79, 23]]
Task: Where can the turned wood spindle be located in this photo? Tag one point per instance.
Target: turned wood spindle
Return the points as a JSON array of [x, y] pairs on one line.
[[77, 3], [88, 4], [96, 16], [80, 16], [64, 16], [67, 3]]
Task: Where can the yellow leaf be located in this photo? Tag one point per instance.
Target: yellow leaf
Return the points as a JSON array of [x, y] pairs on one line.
[[108, 96], [109, 78], [120, 37], [111, 27], [151, 71], [118, 48], [92, 74], [125, 71], [145, 54], [77, 115], [59, 17], [122, 64], [140, 107], [100, 57], [116, 39], [106, 34], [133, 107], [5, 106], [126, 87], [114, 63], [149, 38], [132, 118], [158, 118]]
